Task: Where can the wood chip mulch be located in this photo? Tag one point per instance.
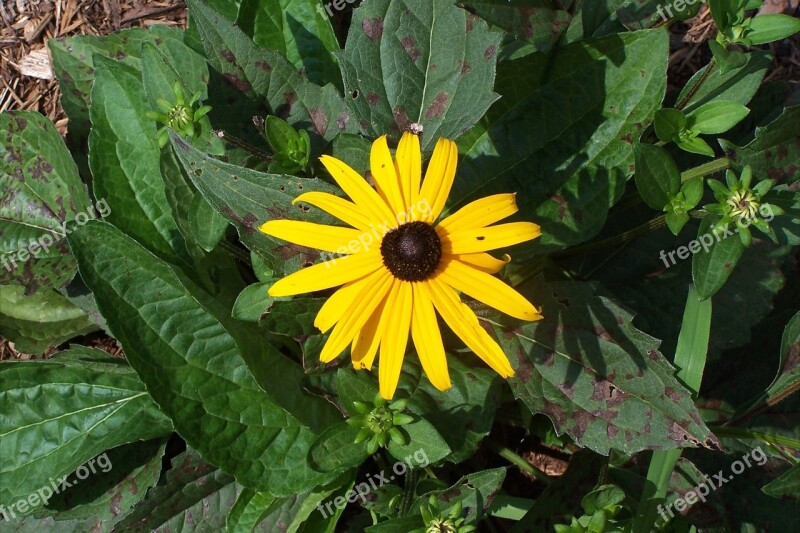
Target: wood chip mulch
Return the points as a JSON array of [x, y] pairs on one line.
[[26, 25]]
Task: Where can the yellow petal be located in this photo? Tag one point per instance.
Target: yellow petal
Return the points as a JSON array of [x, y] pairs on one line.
[[385, 174], [335, 307], [487, 289], [409, 167], [439, 178], [395, 337], [344, 210], [483, 261], [328, 274], [365, 344], [319, 236], [357, 314], [428, 339], [475, 240], [357, 188], [481, 213], [464, 323]]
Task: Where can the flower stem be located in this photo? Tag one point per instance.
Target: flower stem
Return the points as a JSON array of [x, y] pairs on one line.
[[408, 491], [519, 462], [706, 168]]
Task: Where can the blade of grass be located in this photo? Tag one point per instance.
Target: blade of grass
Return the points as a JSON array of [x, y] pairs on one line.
[[690, 359]]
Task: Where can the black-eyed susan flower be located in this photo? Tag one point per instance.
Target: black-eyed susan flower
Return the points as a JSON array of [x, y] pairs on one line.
[[398, 267]]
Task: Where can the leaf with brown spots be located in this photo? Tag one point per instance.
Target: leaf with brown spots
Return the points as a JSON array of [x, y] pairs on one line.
[[598, 378], [40, 192], [540, 22], [416, 62], [266, 74]]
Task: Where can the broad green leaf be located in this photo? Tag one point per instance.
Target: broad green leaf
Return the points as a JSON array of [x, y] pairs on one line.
[[299, 29], [335, 449], [696, 145], [40, 321], [788, 378], [474, 492], [425, 445], [41, 197], [775, 150], [194, 496], [787, 485], [658, 178], [70, 408], [353, 150], [125, 160], [268, 76], [540, 22], [73, 63], [123, 476], [293, 318], [717, 117], [253, 302], [669, 123], [193, 366], [207, 225], [573, 164], [712, 264], [427, 63], [248, 198], [772, 27], [86, 507], [597, 377], [250, 509], [739, 85]]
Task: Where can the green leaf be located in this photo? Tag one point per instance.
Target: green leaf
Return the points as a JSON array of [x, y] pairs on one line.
[[728, 60], [335, 450], [123, 476], [268, 76], [658, 178], [676, 221], [125, 160], [98, 502], [253, 302], [774, 151], [76, 405], [194, 496], [42, 193], [717, 117], [474, 492], [207, 225], [353, 150], [424, 446], [668, 124], [788, 379], [737, 85], [597, 377], [786, 486], [696, 145], [772, 27], [38, 322], [298, 29], [573, 165], [540, 22], [200, 381], [712, 265], [248, 198], [73, 63], [250, 509], [446, 58]]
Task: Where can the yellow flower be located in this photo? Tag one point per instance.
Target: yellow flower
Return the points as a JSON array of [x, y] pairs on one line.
[[397, 267]]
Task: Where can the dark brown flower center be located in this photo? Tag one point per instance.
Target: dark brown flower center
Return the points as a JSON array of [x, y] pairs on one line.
[[412, 251]]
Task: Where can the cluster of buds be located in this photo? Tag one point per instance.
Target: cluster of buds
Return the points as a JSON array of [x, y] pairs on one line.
[[379, 423], [181, 116]]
